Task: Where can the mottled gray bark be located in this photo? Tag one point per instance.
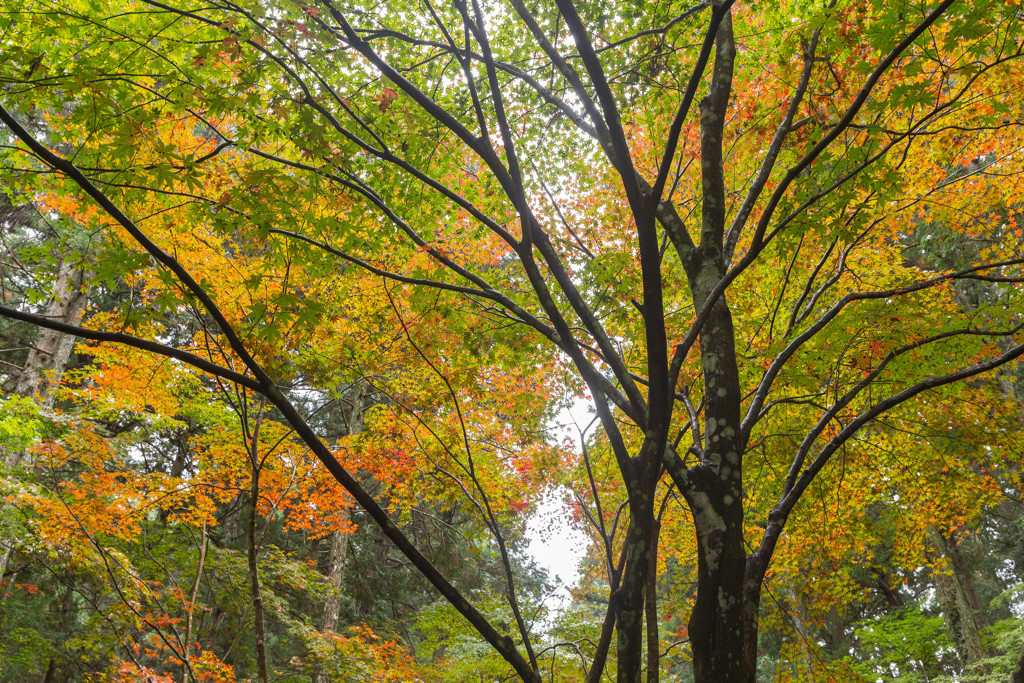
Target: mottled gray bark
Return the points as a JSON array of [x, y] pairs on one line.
[[715, 492], [46, 362], [49, 356]]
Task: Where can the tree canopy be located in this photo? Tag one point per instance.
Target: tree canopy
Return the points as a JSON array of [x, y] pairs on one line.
[[338, 269]]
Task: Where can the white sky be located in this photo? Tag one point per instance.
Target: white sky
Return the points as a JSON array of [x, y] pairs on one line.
[[552, 539], [556, 546]]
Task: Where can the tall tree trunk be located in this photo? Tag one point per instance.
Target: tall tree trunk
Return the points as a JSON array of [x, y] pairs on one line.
[[49, 356], [47, 360], [256, 467], [717, 621], [354, 416], [356, 404], [717, 624], [335, 580], [254, 577], [628, 600], [959, 600]]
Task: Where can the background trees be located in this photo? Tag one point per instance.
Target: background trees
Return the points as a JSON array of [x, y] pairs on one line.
[[775, 247]]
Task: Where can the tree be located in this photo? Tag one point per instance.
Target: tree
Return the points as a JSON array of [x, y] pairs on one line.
[[723, 277]]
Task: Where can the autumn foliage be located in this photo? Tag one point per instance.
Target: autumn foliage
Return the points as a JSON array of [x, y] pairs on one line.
[[737, 285]]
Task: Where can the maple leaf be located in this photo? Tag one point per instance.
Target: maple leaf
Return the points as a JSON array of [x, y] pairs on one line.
[[385, 99]]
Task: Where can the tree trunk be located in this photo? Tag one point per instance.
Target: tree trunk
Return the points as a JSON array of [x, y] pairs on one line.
[[717, 621], [47, 360], [628, 600], [959, 602], [49, 356], [354, 416], [717, 626], [356, 404], [254, 578], [256, 467], [883, 584], [335, 580], [718, 632]]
